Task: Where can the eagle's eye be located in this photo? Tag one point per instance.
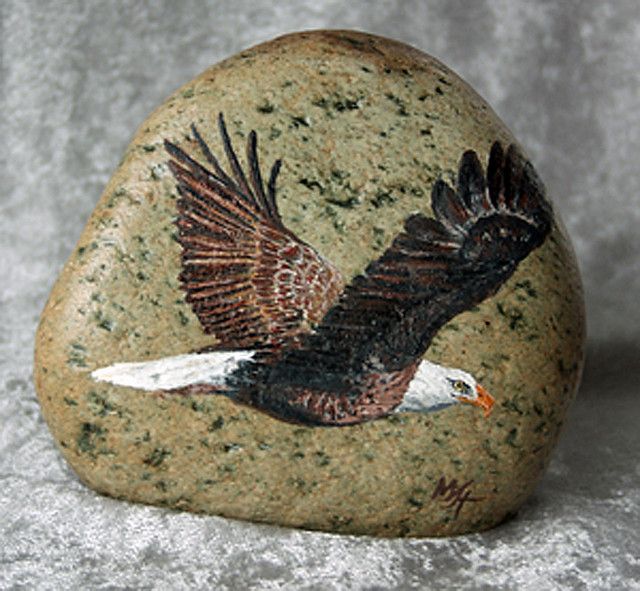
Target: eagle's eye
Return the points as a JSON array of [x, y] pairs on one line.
[[460, 387]]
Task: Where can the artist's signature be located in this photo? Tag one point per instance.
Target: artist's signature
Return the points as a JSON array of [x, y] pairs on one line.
[[453, 494]]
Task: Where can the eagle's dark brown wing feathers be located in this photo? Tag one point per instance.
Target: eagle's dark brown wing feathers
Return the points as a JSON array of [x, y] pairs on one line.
[[251, 282], [206, 152], [266, 199], [434, 270]]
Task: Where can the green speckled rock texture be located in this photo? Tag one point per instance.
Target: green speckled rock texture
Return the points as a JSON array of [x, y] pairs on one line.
[[364, 126]]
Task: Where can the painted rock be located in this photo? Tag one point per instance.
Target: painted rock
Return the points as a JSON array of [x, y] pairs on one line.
[[326, 289]]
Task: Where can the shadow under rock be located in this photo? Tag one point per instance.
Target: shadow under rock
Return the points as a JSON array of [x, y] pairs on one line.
[[611, 368], [598, 451]]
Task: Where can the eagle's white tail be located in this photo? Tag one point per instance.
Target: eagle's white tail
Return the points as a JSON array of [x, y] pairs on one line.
[[174, 372]]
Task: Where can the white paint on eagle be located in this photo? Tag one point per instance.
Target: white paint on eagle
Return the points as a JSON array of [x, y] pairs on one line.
[[178, 371], [432, 388], [429, 390]]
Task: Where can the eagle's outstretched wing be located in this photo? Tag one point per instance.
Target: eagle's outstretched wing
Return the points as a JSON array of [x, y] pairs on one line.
[[251, 282], [385, 319]]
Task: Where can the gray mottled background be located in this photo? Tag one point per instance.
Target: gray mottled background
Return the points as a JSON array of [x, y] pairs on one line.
[[77, 78]]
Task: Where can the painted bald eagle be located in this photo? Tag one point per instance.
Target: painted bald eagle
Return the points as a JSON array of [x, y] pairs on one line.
[[291, 339]]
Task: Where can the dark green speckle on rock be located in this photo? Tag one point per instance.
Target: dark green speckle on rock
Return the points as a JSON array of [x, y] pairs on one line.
[[364, 129]]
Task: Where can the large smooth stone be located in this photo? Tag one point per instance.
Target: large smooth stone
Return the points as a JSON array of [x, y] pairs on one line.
[[365, 126]]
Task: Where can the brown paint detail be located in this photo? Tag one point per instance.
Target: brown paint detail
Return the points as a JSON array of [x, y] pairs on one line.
[[251, 282], [453, 494], [378, 394]]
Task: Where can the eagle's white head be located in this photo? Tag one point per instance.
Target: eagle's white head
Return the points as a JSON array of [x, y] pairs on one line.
[[435, 386]]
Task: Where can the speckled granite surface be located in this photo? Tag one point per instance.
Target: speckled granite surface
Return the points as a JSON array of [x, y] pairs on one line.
[[76, 81]]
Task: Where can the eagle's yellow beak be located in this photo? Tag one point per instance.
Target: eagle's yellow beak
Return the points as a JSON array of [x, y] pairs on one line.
[[484, 400]]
